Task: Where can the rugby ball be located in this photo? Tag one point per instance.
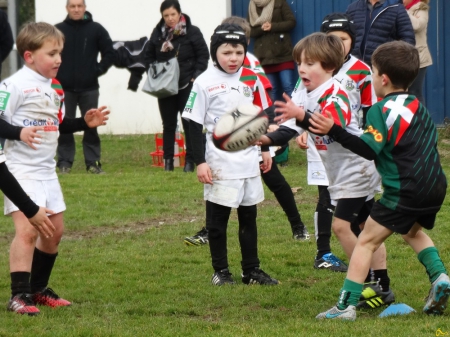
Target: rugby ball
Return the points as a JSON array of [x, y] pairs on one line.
[[237, 129]]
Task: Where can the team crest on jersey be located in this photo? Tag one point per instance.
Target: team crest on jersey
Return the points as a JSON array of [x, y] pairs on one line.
[[56, 100], [247, 92], [30, 93], [217, 89], [350, 85]]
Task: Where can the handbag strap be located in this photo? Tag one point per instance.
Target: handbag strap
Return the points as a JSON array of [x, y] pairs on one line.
[[178, 49]]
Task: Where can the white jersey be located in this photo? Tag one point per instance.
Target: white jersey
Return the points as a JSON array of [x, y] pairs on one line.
[[213, 94], [349, 175], [356, 78], [29, 99]]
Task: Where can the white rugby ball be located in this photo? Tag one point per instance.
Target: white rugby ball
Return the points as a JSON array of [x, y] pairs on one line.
[[240, 127]]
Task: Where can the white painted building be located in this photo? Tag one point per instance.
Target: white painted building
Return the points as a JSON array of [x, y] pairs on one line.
[[133, 112]]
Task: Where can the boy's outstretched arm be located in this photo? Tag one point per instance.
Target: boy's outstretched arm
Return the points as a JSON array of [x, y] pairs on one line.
[[287, 110], [97, 117], [92, 119], [321, 124]]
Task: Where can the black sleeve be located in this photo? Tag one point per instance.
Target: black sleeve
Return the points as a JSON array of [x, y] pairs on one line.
[[107, 52], [71, 125], [11, 188], [270, 112], [9, 131], [197, 143], [352, 142], [150, 49], [365, 111], [201, 52], [6, 37], [282, 135]]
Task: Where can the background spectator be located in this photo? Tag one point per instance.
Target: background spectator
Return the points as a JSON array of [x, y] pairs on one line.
[[271, 21], [378, 22], [418, 13], [6, 38], [78, 74], [174, 34]]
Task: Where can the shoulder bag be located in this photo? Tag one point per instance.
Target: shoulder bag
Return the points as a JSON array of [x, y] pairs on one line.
[[162, 78]]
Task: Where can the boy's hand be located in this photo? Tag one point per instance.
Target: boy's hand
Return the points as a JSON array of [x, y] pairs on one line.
[[266, 163], [42, 223], [288, 110], [272, 127], [97, 117], [321, 125], [204, 174], [29, 136], [302, 141]]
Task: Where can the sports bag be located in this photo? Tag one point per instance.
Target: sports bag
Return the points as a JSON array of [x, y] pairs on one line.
[[162, 78]]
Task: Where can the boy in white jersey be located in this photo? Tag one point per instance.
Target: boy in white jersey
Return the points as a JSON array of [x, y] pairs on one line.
[[352, 180], [355, 76], [319, 57], [32, 97], [232, 179], [273, 179]]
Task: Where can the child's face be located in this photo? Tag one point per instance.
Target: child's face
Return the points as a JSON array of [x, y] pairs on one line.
[[230, 58], [47, 59], [346, 39], [312, 73]]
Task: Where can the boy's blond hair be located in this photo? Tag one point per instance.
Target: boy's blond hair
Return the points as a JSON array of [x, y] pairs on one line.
[[243, 23], [398, 60], [323, 48], [34, 34]]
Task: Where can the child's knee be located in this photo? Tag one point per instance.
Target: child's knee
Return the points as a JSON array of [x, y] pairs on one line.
[[341, 228]]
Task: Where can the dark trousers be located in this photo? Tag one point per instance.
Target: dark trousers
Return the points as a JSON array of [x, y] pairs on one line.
[[276, 183], [217, 222], [169, 108], [416, 87], [85, 100]]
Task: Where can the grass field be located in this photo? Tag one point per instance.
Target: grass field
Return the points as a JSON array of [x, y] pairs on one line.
[[124, 266]]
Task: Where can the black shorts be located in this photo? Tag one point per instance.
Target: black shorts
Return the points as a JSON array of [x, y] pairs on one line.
[[353, 209], [400, 222]]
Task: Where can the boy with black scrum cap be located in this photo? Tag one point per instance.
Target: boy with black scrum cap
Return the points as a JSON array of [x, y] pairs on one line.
[[231, 179]]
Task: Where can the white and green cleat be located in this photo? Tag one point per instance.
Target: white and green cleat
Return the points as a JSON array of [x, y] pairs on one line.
[[348, 313]]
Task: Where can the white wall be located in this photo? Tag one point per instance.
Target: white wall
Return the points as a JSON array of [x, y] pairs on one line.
[[133, 112]]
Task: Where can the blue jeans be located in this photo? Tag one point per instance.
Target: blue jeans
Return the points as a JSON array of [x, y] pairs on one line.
[[283, 81]]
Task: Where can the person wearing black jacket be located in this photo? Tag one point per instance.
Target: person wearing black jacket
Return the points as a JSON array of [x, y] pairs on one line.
[[6, 38], [175, 35], [78, 74]]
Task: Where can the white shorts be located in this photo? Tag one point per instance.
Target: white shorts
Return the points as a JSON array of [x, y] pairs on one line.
[[317, 174], [235, 192], [45, 193]]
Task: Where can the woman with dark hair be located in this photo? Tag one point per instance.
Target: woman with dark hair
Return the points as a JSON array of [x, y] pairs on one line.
[[174, 35]]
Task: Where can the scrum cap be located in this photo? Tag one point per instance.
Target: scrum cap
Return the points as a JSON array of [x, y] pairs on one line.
[[339, 22], [226, 33]]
